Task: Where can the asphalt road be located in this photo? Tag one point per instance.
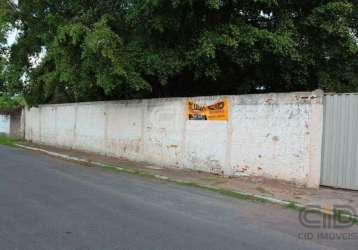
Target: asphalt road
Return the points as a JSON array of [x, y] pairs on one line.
[[46, 203]]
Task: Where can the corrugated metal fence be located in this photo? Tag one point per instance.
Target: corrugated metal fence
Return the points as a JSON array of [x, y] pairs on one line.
[[340, 141]]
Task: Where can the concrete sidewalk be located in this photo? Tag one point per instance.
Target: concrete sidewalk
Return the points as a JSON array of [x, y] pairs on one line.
[[275, 190]]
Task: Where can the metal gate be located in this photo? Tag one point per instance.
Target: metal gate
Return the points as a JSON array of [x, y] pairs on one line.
[[340, 141]]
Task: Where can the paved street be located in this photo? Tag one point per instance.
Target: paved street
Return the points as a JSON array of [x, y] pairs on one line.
[[47, 203]]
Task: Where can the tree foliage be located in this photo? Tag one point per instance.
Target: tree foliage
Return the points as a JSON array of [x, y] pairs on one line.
[[110, 49], [8, 103]]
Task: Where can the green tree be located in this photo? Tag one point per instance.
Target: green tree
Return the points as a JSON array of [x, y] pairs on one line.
[[110, 49]]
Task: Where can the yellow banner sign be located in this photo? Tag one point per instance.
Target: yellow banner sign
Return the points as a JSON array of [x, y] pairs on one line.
[[218, 111]]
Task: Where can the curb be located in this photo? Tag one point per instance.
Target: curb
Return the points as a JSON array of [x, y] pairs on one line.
[[165, 178]]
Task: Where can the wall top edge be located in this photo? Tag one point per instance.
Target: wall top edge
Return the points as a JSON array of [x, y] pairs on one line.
[[339, 94], [314, 97]]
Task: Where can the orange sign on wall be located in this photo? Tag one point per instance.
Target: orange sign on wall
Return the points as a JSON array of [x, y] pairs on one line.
[[217, 111]]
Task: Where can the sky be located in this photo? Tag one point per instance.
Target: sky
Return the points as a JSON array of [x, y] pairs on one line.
[[12, 37]]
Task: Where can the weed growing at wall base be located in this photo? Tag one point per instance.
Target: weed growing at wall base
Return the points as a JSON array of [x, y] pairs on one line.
[[5, 140]]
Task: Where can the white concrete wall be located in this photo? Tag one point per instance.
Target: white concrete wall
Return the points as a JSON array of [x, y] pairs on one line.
[[5, 124], [271, 135]]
